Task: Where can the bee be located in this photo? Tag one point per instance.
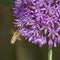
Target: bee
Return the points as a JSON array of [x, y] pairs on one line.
[[16, 36]]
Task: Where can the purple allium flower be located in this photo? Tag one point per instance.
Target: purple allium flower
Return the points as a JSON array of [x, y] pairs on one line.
[[38, 20]]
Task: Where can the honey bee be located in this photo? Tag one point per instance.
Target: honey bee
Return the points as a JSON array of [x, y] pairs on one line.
[[16, 36]]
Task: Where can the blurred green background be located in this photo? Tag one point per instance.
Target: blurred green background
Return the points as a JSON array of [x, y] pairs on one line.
[[21, 50]]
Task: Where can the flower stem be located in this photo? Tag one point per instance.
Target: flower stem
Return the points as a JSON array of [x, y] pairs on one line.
[[50, 54]]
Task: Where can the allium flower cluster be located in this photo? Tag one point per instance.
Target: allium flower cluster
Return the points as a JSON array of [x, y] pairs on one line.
[[38, 20]]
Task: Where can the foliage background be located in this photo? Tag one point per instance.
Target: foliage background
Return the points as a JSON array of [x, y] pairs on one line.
[[21, 50]]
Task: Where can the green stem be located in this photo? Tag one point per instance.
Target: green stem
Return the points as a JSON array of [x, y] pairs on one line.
[[50, 54]]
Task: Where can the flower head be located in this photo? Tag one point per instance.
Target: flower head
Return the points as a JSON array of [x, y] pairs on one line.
[[38, 20]]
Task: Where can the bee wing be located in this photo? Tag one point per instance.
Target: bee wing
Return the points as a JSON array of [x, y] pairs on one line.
[[19, 38], [11, 31]]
